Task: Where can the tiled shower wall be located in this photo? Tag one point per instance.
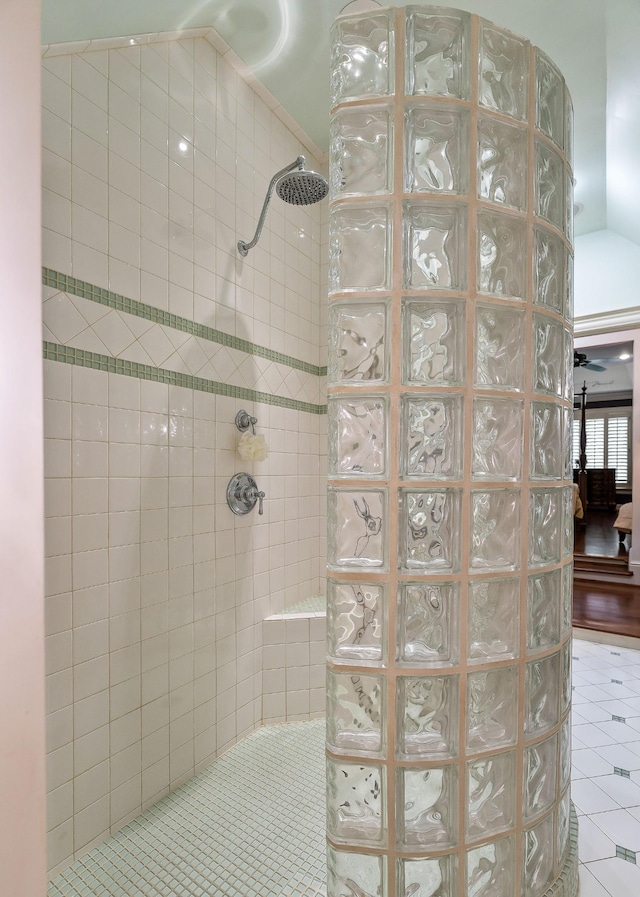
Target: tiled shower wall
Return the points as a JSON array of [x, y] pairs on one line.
[[156, 160]]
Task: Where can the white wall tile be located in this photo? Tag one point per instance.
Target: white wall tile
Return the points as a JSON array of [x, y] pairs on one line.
[[166, 590]]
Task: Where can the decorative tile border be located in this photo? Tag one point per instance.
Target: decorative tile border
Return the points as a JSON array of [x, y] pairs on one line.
[[82, 358], [93, 293]]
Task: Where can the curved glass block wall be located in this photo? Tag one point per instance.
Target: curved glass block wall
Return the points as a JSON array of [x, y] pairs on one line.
[[450, 499]]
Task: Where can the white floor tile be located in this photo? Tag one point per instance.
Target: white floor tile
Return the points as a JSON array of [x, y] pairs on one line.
[[593, 844], [620, 708], [592, 735], [591, 764], [595, 713], [617, 691], [590, 886], [619, 755], [622, 790], [621, 827], [589, 798], [590, 693], [621, 879], [621, 733]]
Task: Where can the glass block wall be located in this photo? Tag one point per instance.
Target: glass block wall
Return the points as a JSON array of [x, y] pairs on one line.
[[450, 500]]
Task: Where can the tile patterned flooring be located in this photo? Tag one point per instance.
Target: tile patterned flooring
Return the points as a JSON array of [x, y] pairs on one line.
[[606, 767], [244, 827]]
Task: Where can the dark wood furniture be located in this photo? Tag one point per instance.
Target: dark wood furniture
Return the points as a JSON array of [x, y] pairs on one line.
[[600, 487]]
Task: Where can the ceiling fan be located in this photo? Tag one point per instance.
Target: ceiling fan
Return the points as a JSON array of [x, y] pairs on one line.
[[580, 360]]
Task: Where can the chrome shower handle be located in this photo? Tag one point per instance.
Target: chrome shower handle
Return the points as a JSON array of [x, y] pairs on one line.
[[243, 494]]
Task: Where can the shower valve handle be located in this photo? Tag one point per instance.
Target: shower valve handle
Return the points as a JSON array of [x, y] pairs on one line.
[[259, 496], [243, 494]]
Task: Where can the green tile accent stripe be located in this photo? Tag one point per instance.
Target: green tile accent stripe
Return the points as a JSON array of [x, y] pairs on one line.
[[89, 291], [82, 358]]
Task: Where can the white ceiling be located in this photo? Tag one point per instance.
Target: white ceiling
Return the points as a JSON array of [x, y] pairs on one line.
[[286, 42]]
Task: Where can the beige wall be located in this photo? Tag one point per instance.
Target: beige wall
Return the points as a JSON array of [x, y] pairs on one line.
[[22, 825]]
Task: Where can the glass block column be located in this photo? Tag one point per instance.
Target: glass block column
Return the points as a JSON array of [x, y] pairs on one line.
[[450, 497]]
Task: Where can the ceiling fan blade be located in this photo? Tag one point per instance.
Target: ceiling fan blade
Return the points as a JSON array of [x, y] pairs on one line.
[[590, 366]]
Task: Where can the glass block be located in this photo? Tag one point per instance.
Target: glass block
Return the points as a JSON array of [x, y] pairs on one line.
[[540, 774], [356, 528], [436, 877], [504, 71], [568, 205], [437, 58], [362, 57], [492, 718], [428, 623], [545, 521], [565, 677], [542, 695], [548, 270], [494, 613], [502, 163], [360, 248], [543, 610], [568, 131], [550, 110], [567, 521], [436, 149], [565, 752], [354, 873], [431, 440], [498, 356], [538, 857], [502, 254], [564, 820], [495, 530], [549, 184], [548, 355], [358, 344], [497, 438], [567, 442], [355, 802], [567, 598], [357, 436], [427, 717], [547, 459], [360, 148], [568, 267], [354, 712], [435, 246], [433, 336], [567, 379], [430, 530], [426, 812], [356, 622], [492, 795], [491, 869]]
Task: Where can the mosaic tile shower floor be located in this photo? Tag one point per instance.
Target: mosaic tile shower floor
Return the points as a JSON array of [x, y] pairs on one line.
[[252, 823]]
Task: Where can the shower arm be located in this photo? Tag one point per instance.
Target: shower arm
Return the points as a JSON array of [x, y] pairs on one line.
[[243, 248]]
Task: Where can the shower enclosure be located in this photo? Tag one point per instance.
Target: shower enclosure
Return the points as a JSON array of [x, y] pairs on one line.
[[450, 503]]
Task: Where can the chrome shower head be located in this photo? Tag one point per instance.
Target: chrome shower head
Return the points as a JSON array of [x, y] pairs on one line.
[[302, 188], [298, 187]]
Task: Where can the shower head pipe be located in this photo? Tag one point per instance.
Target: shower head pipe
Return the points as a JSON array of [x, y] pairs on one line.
[[243, 248]]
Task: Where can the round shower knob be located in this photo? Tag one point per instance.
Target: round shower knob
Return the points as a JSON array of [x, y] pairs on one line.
[[243, 493]]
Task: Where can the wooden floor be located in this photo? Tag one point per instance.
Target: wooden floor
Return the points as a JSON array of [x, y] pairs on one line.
[[596, 536], [607, 606]]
